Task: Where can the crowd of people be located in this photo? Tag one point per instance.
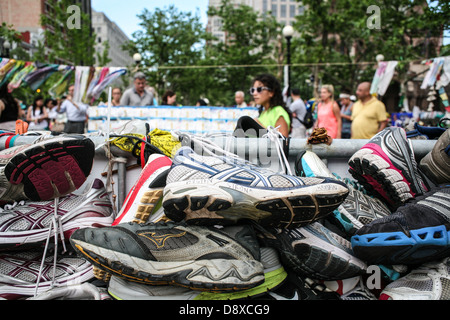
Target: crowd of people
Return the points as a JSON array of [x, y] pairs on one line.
[[358, 116]]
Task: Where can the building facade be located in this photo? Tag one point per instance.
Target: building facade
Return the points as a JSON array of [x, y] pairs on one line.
[[284, 11], [107, 30], [25, 17]]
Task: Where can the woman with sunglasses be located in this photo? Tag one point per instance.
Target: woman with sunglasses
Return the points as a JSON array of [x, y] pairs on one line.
[[266, 92]]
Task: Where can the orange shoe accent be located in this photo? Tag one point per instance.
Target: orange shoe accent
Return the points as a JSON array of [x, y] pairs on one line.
[[21, 127]]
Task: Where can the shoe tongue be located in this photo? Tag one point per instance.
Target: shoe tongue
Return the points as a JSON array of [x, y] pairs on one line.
[[245, 235]]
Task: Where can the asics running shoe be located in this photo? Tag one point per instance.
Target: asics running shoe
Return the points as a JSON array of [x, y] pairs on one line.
[[431, 281], [32, 222], [358, 209], [417, 232], [209, 190], [386, 167], [274, 275], [315, 251], [436, 164], [196, 257], [145, 196], [19, 273], [46, 170]]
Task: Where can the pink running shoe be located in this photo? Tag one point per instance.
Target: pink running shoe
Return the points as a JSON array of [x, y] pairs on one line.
[[144, 197], [386, 166], [46, 170]]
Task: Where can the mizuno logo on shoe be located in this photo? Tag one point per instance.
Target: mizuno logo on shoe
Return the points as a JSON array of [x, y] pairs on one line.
[[160, 240], [221, 242]]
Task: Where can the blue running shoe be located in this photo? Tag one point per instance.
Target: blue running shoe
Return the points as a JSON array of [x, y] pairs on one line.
[[424, 133], [208, 190], [416, 233]]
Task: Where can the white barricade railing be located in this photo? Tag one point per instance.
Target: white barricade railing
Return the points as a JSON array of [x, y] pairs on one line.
[[185, 118]]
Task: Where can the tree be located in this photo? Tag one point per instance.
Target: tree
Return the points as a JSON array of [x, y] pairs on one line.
[[7, 32], [169, 38], [354, 32], [68, 35], [250, 40]]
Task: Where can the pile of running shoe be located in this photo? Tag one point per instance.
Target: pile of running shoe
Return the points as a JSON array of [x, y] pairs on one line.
[[213, 227], [40, 210]]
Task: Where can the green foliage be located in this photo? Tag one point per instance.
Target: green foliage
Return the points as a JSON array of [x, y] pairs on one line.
[[74, 46], [251, 39], [338, 32], [169, 38]]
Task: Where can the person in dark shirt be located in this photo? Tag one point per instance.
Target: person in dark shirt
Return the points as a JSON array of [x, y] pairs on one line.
[[10, 110]]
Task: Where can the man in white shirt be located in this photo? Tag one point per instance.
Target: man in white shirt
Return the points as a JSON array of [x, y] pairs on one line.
[[76, 113], [239, 97]]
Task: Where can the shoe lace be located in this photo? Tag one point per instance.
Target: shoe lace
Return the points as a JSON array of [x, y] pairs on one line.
[[354, 184], [57, 229], [210, 148], [276, 137], [12, 206]]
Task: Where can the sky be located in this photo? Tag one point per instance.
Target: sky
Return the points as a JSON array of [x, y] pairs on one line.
[[124, 13]]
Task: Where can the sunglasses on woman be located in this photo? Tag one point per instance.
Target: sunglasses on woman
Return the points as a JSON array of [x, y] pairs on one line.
[[258, 89]]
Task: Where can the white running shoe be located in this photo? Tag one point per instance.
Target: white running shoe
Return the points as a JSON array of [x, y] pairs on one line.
[[32, 222], [431, 281], [145, 196], [210, 190]]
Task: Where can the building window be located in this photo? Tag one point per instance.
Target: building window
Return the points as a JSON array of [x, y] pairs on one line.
[[283, 11], [292, 11], [274, 10]]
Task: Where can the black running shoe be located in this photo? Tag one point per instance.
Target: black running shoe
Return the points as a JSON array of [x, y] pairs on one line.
[[296, 287], [203, 258], [315, 252], [417, 232]]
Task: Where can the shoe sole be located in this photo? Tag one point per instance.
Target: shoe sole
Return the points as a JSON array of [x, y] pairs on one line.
[[422, 245], [207, 202], [318, 259], [215, 275], [149, 204], [53, 169], [380, 177]]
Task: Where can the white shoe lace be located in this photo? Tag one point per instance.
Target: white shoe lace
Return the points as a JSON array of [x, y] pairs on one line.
[[276, 137], [212, 149], [56, 227], [12, 206]]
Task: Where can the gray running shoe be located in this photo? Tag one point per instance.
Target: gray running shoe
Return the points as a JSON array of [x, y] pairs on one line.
[[358, 209], [196, 257], [315, 252], [386, 167], [274, 275], [436, 164]]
